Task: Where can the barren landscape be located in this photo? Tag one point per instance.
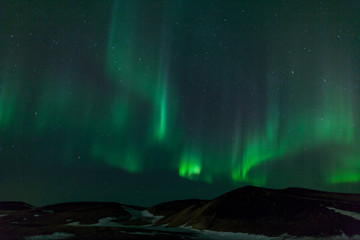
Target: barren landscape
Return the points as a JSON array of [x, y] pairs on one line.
[[244, 213]]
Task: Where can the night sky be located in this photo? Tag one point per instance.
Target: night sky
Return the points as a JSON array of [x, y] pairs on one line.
[[146, 101]]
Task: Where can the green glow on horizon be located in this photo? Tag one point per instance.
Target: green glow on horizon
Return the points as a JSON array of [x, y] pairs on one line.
[[350, 176], [332, 122], [258, 147], [190, 165], [261, 147], [347, 169]]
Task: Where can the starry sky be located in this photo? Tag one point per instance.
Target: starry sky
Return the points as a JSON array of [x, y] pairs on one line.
[[148, 101]]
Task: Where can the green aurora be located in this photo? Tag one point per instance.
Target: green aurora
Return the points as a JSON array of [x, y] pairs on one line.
[[211, 91]]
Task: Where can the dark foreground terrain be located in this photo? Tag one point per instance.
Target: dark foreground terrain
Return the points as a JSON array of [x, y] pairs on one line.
[[245, 213]]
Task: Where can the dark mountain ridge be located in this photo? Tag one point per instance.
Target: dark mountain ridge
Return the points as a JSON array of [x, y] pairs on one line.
[[293, 211], [14, 206]]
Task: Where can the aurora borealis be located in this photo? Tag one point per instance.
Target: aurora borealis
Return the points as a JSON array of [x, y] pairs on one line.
[[143, 101]]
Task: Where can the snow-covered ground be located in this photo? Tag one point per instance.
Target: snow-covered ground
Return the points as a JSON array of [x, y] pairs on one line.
[[142, 214], [216, 235], [154, 218], [213, 235], [3, 215], [200, 234], [135, 214], [103, 222], [346, 213], [54, 236]]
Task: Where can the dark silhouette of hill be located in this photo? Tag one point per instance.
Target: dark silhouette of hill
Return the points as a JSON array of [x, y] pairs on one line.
[[169, 208], [298, 212], [14, 206]]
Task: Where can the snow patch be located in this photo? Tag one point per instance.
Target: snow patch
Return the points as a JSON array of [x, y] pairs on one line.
[[135, 214], [147, 214], [36, 215], [143, 215], [106, 222], [214, 235], [208, 234], [3, 215], [103, 222], [354, 215], [340, 237], [54, 236]]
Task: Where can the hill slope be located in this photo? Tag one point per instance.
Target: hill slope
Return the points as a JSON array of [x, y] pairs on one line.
[[297, 212]]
